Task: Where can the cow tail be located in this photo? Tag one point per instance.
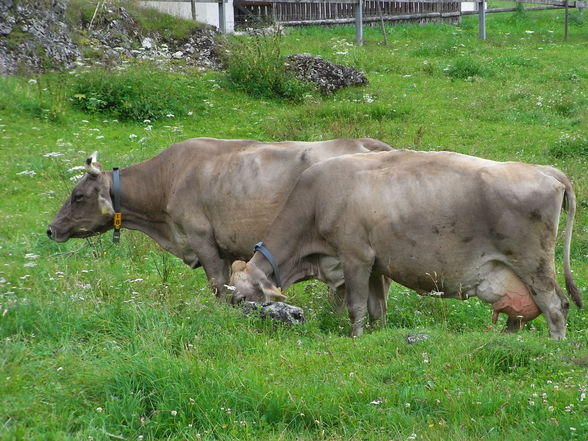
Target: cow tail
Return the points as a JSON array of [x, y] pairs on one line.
[[570, 206]]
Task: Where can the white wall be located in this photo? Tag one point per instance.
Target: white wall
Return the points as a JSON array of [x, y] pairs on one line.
[[205, 12], [471, 6]]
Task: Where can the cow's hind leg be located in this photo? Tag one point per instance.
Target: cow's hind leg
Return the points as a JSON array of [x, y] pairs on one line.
[[377, 299], [554, 308]]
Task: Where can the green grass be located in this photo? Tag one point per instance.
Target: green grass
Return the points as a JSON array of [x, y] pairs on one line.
[[104, 342]]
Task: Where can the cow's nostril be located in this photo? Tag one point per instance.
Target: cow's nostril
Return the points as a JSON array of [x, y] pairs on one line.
[[49, 232]]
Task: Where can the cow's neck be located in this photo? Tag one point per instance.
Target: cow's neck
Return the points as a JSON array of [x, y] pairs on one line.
[[303, 266], [295, 246], [143, 200]]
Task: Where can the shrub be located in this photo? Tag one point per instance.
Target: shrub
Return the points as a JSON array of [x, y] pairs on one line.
[[135, 94], [255, 66]]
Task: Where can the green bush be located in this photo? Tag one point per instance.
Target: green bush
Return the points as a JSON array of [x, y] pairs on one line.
[[256, 67], [136, 94]]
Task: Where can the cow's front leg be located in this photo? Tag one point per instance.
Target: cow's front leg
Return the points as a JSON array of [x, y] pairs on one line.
[[216, 269], [357, 276]]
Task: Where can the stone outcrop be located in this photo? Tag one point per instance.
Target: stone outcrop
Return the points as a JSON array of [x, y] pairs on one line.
[[34, 37]]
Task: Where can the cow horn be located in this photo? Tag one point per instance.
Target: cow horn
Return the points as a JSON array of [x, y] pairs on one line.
[[92, 165]]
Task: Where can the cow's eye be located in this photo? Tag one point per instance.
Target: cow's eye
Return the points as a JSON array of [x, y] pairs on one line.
[[78, 197]]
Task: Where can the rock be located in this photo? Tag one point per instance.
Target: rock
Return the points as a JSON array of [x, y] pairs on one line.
[[177, 55], [327, 76], [147, 43], [415, 338], [283, 312]]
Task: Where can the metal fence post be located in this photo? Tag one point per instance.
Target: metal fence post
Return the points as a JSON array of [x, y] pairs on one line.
[[566, 20], [482, 19], [359, 22]]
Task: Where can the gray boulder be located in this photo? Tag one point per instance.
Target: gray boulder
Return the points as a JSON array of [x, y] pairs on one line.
[[293, 315]]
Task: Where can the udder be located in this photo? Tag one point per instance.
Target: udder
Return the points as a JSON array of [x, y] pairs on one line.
[[517, 304], [507, 293]]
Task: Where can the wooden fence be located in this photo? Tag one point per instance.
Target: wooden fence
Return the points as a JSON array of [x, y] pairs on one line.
[[299, 12], [289, 13]]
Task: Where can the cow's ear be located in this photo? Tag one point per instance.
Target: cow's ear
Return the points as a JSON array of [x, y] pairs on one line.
[[238, 272], [92, 166], [272, 294], [105, 206], [238, 266]]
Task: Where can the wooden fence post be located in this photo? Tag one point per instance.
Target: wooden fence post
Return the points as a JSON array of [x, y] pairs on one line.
[[482, 19], [358, 22], [193, 4]]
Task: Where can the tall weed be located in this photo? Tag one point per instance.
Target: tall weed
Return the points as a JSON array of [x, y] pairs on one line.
[[256, 66], [466, 67]]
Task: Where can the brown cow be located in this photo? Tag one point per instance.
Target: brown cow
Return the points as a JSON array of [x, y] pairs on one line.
[[451, 224], [204, 200]]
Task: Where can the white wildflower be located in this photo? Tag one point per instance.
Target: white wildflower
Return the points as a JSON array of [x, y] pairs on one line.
[[27, 173], [31, 256], [53, 155], [132, 136]]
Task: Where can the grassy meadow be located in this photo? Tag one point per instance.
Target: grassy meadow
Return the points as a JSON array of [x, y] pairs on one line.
[[108, 342]]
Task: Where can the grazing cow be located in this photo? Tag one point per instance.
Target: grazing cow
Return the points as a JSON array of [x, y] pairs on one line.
[[440, 222], [204, 200]]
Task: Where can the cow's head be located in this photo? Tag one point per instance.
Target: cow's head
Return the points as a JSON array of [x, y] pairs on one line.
[[252, 285], [88, 210]]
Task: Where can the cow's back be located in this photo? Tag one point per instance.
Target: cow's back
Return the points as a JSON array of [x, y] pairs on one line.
[[239, 186]]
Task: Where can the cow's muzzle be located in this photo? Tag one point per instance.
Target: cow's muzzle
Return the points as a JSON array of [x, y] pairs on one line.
[[54, 235]]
